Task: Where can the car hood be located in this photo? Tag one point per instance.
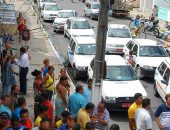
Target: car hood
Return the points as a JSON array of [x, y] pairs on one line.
[[122, 88], [60, 20], [150, 61], [119, 41], [82, 32], [50, 12], [95, 10], [83, 60]]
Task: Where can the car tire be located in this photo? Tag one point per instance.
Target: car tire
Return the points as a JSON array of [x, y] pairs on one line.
[[139, 72], [155, 91], [91, 16]]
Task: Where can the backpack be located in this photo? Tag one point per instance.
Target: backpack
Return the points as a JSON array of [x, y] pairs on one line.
[[26, 34]]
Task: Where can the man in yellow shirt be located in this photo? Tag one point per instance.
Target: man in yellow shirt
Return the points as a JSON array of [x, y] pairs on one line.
[[43, 113], [132, 109], [83, 115]]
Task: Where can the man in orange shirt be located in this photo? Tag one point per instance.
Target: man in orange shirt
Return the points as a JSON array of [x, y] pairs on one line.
[[25, 120]]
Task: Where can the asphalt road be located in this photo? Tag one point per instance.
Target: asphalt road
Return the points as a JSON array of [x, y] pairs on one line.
[[61, 44]]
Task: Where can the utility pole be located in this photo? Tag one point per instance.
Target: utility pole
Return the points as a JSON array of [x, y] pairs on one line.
[[100, 51]]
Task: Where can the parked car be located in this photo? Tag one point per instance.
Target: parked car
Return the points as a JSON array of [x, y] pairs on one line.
[[120, 85], [164, 37], [61, 18], [42, 2], [162, 82], [92, 10], [148, 55], [78, 27], [118, 35], [50, 11], [81, 51]]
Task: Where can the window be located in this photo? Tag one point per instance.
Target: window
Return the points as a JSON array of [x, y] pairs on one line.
[[166, 75], [135, 49], [162, 68], [130, 45]]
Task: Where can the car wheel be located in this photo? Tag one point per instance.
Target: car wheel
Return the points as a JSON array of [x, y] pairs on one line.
[[139, 72], [155, 91], [91, 16]]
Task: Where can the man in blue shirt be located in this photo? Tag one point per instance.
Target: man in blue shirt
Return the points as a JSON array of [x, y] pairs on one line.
[[4, 107], [76, 101], [88, 90], [162, 114]]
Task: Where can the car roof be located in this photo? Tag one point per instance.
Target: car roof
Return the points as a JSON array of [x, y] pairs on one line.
[[115, 60], [145, 42], [66, 10], [118, 26], [85, 40]]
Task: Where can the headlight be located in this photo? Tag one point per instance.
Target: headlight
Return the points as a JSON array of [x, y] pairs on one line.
[[147, 67], [81, 68], [110, 99]]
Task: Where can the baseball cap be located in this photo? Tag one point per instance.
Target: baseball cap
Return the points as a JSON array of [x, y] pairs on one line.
[[4, 115]]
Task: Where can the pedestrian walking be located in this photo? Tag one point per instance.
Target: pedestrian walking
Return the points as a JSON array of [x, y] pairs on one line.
[[25, 119], [84, 115], [23, 64], [88, 90], [143, 118], [101, 116], [76, 101], [48, 81], [155, 11], [8, 78], [132, 109], [62, 97], [162, 114]]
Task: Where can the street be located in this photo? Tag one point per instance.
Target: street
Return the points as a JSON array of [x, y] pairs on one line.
[[60, 43]]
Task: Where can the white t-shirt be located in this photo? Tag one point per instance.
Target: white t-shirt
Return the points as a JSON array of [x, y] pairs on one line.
[[143, 119]]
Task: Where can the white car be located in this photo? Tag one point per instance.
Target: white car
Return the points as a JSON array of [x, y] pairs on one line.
[[81, 51], [148, 55], [50, 11], [92, 10], [78, 27], [120, 85], [118, 35], [61, 18], [162, 82], [42, 2]]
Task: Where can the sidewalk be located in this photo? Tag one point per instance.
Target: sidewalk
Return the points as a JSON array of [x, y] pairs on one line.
[[136, 11], [40, 48]]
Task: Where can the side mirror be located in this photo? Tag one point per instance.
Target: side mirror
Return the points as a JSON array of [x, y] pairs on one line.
[[164, 82]]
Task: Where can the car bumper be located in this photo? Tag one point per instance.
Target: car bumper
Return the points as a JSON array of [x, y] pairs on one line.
[[59, 27], [49, 18], [81, 73], [148, 72], [114, 50], [121, 104], [95, 16]]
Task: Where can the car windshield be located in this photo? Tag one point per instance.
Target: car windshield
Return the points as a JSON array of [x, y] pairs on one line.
[[119, 32], [52, 7], [95, 6], [120, 73], [152, 51], [49, 1], [81, 25], [65, 14], [85, 49]]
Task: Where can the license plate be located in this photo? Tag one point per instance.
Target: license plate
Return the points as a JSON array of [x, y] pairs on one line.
[[119, 50], [125, 105]]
